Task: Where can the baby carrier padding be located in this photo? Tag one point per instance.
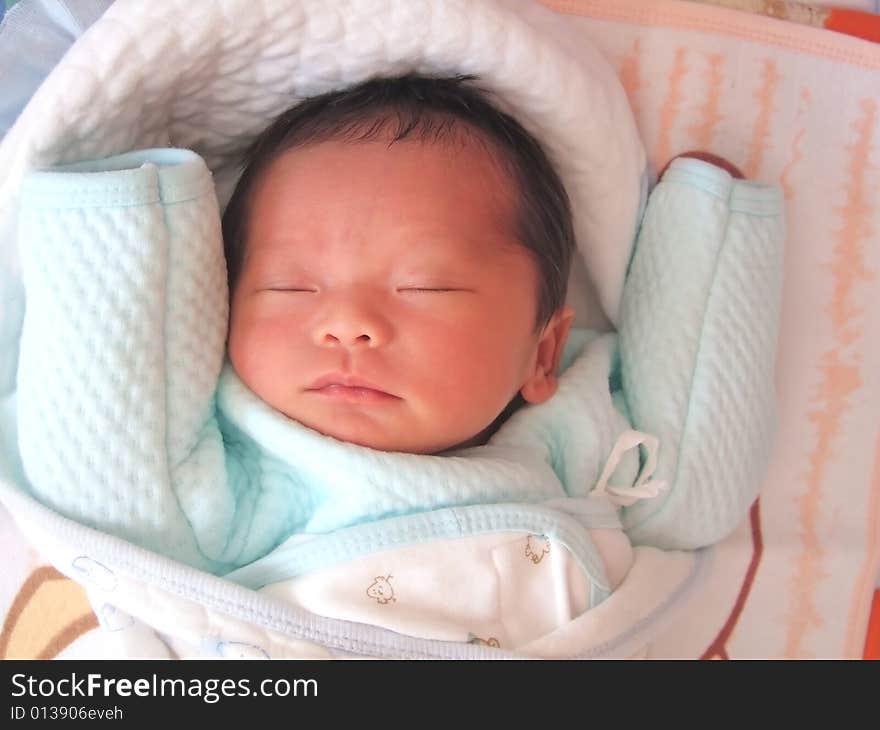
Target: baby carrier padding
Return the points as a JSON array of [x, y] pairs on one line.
[[315, 49]]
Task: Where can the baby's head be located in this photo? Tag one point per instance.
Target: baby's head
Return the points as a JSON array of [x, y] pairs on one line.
[[398, 257]]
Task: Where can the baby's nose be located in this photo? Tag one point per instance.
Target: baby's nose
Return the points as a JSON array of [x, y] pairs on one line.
[[350, 324]]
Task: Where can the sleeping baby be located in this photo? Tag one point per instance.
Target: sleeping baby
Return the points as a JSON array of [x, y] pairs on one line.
[[398, 427], [398, 256]]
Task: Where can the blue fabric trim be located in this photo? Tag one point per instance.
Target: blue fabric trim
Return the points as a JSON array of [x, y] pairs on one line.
[[742, 196], [292, 560], [143, 177], [340, 637]]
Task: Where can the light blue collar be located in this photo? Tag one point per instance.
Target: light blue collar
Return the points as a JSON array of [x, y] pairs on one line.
[[341, 484]]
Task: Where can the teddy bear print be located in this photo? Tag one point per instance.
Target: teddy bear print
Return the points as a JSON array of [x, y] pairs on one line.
[[381, 590], [537, 546], [491, 641]]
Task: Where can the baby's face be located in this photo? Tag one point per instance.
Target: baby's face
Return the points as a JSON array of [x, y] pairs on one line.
[[383, 298]]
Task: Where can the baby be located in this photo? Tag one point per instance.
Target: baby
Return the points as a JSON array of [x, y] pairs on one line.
[[398, 256], [404, 409]]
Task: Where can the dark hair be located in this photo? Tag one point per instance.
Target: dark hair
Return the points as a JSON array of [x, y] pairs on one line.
[[430, 110]]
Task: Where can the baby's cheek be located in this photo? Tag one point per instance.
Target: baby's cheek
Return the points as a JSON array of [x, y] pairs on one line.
[[256, 350], [469, 378]]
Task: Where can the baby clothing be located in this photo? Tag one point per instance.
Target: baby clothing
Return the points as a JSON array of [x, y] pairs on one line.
[[129, 421]]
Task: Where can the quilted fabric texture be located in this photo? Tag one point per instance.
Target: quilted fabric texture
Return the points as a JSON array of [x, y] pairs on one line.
[[207, 77], [123, 343], [108, 342], [698, 339]]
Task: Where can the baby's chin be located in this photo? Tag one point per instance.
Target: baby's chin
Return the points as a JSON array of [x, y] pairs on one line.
[[391, 442], [400, 438]]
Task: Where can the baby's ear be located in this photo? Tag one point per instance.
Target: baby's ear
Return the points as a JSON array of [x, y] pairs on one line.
[[542, 381]]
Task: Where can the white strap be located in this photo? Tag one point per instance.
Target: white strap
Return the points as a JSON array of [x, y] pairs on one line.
[[643, 488]]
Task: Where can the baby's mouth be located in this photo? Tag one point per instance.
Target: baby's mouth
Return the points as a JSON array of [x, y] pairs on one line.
[[349, 388]]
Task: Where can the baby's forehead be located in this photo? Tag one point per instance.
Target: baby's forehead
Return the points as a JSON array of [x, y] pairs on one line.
[[400, 183], [407, 205]]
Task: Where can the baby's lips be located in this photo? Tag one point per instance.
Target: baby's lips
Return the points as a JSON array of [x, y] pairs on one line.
[[345, 380]]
